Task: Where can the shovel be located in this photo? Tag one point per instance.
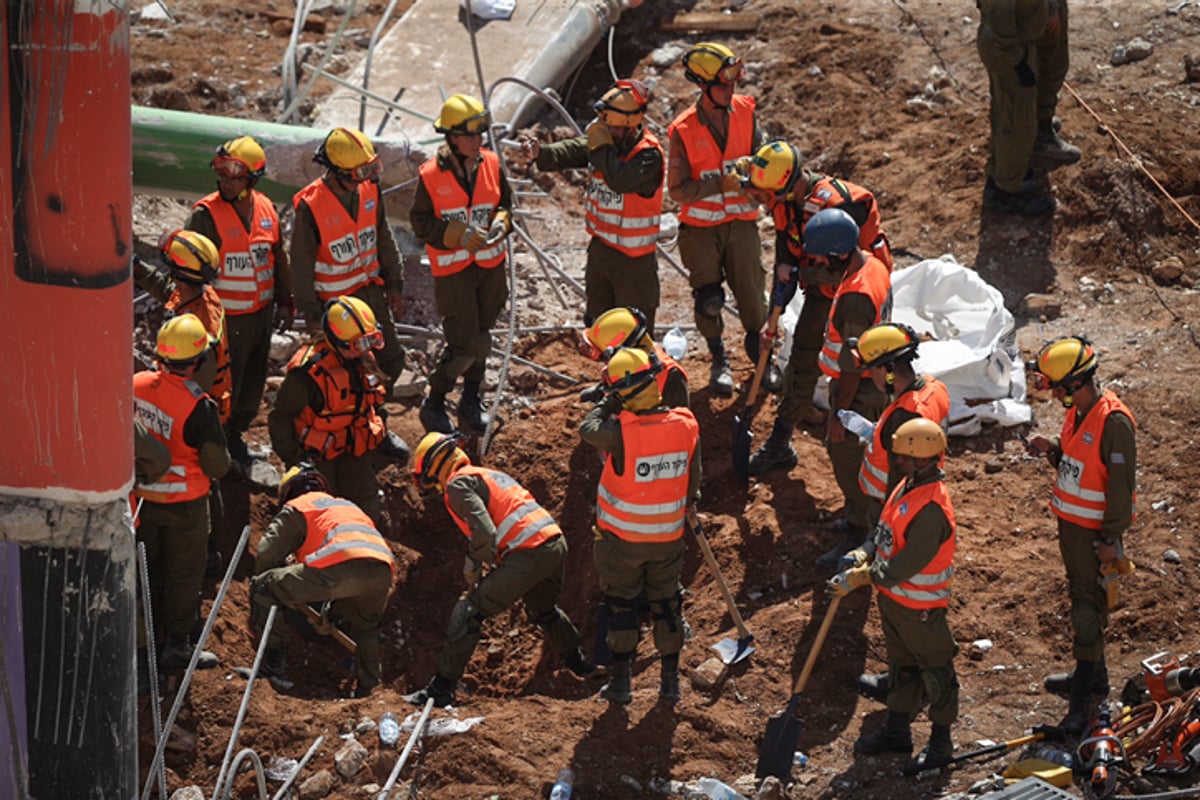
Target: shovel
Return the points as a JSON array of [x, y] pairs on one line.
[[730, 651], [990, 750], [741, 422], [323, 626], [783, 730]]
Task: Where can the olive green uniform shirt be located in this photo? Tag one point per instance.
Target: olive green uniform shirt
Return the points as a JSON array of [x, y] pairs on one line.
[[640, 175]]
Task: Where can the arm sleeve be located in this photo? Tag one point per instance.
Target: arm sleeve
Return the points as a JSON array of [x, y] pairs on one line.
[[305, 240], [283, 536], [1118, 448], [601, 429], [152, 280], [204, 432], [296, 393], [680, 186], [567, 154], [926, 533], [201, 222], [855, 313], [642, 174], [468, 497], [151, 458], [391, 266], [426, 225], [283, 272]]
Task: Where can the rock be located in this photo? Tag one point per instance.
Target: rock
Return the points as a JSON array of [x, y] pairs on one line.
[[667, 55], [1191, 66], [1167, 271], [771, 789], [350, 759], [188, 793], [1172, 557], [708, 675], [1134, 50], [1039, 305], [317, 786], [181, 741], [993, 465]]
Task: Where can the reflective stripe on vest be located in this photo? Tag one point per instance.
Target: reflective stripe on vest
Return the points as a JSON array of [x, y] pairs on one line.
[[1080, 491], [625, 222], [348, 252], [337, 531], [162, 402], [520, 521], [348, 421], [706, 161], [931, 401], [647, 501], [211, 313], [872, 280], [930, 588], [450, 202], [246, 282]]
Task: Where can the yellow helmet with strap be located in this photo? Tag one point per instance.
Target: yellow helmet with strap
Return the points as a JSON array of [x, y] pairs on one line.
[[191, 257], [631, 373], [775, 167], [709, 63], [438, 456], [182, 340], [919, 438], [615, 328], [462, 115]]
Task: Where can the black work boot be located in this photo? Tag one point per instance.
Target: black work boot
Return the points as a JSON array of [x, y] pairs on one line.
[[238, 451], [1060, 683], [619, 688], [580, 664], [936, 753], [439, 688], [776, 452], [894, 737], [720, 377], [274, 663], [1081, 698], [1024, 203], [668, 687], [873, 687], [1049, 145], [177, 654], [395, 448], [471, 416], [433, 414], [772, 379]]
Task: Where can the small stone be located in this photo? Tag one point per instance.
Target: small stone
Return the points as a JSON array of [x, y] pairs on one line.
[[1172, 557], [350, 759], [1167, 271], [1041, 305], [708, 675], [1135, 49], [317, 786], [181, 741], [1191, 65], [188, 793], [993, 465]]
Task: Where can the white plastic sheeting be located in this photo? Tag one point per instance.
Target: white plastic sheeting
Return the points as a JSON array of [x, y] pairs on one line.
[[973, 349]]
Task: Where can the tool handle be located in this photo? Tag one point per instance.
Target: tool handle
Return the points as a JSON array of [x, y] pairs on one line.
[[983, 751], [764, 356], [712, 563], [344, 640], [826, 623]]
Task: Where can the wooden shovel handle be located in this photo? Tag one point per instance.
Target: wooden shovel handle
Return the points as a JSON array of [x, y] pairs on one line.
[[802, 681], [712, 564], [344, 640], [764, 355]]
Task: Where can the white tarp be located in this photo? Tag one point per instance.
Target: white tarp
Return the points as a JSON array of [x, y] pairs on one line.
[[973, 352]]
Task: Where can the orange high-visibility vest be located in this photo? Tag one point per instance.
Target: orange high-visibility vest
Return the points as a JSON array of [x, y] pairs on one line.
[[163, 402], [627, 222], [337, 531], [450, 202], [931, 401], [707, 160], [929, 588], [1080, 493], [348, 253], [246, 282], [669, 365], [349, 421], [521, 523], [826, 192], [872, 280], [211, 313], [648, 500]]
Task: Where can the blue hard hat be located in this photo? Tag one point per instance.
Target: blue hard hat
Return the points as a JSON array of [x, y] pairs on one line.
[[830, 232]]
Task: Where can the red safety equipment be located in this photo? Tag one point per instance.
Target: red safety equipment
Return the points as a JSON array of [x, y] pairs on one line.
[[348, 423], [521, 523], [1080, 493], [707, 160], [348, 253], [246, 280], [930, 588], [337, 531], [932, 401], [626, 222], [450, 202], [873, 280], [162, 402]]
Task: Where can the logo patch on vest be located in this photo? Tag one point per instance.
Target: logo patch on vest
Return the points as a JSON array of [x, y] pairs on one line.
[[666, 466], [1087, 438], [903, 509], [266, 224], [369, 205]]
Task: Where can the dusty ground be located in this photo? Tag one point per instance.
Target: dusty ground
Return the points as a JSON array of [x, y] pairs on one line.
[[891, 95]]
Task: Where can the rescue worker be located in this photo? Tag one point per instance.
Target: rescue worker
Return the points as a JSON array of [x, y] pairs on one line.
[[647, 493], [516, 551], [1095, 498], [912, 569], [342, 244], [863, 299], [253, 279], [341, 560], [718, 230], [174, 519], [793, 194], [327, 409], [627, 327], [463, 213], [624, 200], [1024, 47]]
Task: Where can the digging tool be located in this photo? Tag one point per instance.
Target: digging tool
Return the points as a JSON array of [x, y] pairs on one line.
[[741, 422], [322, 625], [783, 730], [731, 652], [990, 750]]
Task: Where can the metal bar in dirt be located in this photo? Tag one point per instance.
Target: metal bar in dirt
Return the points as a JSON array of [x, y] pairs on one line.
[[241, 714], [412, 740], [283, 790]]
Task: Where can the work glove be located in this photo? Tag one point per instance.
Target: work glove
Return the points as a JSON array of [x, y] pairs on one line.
[[785, 290], [820, 276], [848, 580], [598, 136], [473, 239], [455, 230], [285, 313], [472, 571], [1025, 76], [592, 394], [499, 228], [731, 182], [857, 557]]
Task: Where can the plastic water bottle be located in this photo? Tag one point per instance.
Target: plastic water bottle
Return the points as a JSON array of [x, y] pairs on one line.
[[675, 343], [562, 786], [857, 424], [718, 790], [389, 729]]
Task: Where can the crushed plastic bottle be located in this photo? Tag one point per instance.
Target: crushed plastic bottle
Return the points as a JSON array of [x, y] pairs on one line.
[[675, 343], [857, 424], [799, 759], [562, 786], [389, 729], [717, 790]]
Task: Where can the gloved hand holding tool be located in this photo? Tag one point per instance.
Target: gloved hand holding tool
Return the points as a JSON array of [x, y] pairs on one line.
[[499, 227], [848, 580], [598, 135]]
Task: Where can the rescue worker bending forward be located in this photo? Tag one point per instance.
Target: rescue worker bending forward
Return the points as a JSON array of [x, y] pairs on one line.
[[516, 540], [647, 493], [627, 327]]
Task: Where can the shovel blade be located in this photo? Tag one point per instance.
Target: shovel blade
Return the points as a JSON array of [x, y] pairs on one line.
[[733, 651], [779, 743], [741, 448]]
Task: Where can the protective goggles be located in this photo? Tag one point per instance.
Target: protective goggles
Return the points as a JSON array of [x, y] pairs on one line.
[[229, 167], [473, 125], [732, 70], [365, 343], [185, 271], [638, 92], [365, 172]]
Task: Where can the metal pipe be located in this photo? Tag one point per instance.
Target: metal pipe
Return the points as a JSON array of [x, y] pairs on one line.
[[331, 47], [418, 731], [427, 333], [151, 656], [241, 715], [258, 773], [378, 98], [279, 795], [362, 109]]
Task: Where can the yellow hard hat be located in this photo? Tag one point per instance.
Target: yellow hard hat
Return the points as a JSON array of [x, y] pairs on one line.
[[884, 344], [301, 479], [349, 151], [239, 158], [615, 328], [775, 167], [623, 105], [438, 456], [462, 114], [350, 323], [1065, 361], [182, 340], [191, 257], [919, 438], [708, 63], [631, 373]]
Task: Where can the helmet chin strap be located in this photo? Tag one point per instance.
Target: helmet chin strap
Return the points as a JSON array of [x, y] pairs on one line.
[[708, 94], [891, 382]]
